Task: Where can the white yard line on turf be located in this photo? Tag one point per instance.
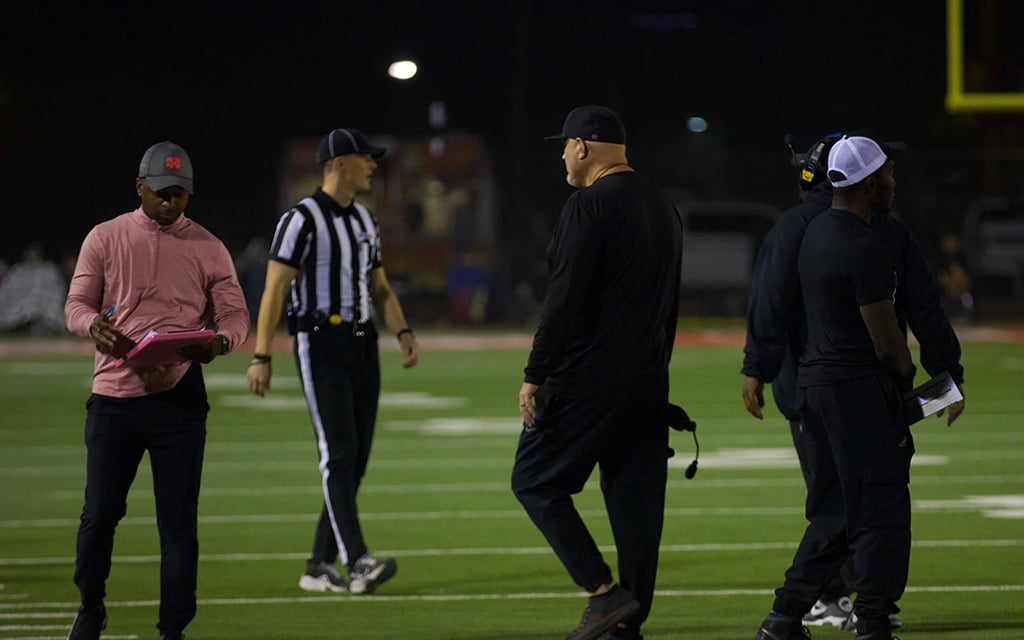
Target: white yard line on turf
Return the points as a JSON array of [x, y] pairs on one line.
[[377, 598], [500, 551], [964, 506]]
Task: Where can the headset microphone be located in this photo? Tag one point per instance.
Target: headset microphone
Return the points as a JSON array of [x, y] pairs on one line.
[[679, 420]]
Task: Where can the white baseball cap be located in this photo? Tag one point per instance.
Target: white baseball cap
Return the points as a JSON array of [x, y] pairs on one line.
[[853, 159], [859, 154]]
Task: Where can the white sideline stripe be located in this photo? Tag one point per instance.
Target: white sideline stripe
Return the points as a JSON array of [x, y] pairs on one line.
[[446, 515], [999, 588], [495, 551]]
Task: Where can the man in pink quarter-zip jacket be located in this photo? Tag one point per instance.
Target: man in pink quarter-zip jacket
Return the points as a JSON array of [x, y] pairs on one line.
[[151, 269]]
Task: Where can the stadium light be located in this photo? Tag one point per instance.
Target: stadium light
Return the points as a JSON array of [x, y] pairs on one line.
[[402, 69], [697, 124]]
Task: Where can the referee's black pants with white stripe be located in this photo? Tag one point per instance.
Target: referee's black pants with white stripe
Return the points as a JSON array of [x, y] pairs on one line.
[[553, 462], [171, 426], [858, 498], [340, 376]]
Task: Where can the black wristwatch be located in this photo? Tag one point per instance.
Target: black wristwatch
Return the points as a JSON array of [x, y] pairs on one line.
[[225, 344]]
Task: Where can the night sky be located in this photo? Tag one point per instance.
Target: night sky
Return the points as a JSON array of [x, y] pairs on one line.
[[85, 91]]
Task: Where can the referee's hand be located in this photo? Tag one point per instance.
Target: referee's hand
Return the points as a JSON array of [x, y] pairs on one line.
[[259, 377], [411, 349]]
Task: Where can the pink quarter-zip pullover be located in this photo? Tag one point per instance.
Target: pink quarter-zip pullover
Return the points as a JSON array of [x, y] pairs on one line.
[[177, 277]]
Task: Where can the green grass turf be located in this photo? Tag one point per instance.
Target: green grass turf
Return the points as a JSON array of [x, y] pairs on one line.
[[436, 497]]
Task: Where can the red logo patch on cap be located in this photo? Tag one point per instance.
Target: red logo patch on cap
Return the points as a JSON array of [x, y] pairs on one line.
[[173, 162]]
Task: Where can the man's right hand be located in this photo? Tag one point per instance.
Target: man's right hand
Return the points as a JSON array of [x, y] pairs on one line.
[[259, 377], [753, 396], [108, 339]]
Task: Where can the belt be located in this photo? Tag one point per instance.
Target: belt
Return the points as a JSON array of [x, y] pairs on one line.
[[319, 321]]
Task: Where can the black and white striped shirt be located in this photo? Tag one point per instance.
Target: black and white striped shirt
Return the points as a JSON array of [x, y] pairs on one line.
[[335, 248]]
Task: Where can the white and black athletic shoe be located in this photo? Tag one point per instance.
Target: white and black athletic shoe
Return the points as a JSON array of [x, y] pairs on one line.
[[321, 576], [833, 612], [367, 573]]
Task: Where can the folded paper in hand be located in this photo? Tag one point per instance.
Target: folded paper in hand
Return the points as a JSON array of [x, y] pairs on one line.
[[931, 397], [158, 349]]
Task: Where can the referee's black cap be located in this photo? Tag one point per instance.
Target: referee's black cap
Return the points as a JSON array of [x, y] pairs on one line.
[[594, 123], [343, 142], [166, 164]]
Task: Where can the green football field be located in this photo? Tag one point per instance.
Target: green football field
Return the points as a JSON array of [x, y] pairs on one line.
[[436, 497]]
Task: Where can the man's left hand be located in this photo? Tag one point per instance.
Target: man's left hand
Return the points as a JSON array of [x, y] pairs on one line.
[[203, 352]]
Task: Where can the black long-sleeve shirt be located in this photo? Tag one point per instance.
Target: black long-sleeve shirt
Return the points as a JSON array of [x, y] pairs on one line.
[[612, 305], [777, 327]]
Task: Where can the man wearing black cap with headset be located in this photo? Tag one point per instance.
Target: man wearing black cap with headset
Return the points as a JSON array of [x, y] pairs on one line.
[[327, 250], [596, 383], [777, 331], [853, 372], [152, 269]]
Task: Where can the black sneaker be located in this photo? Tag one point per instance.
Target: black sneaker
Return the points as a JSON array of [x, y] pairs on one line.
[[367, 574], [88, 623], [321, 576], [782, 628], [851, 622], [604, 612], [621, 633]]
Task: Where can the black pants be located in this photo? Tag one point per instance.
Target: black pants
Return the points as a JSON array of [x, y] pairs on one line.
[[340, 375], [842, 583], [171, 426], [554, 461], [858, 500]]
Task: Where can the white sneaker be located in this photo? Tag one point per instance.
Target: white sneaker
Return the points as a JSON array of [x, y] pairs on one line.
[[835, 612], [367, 574], [321, 576]]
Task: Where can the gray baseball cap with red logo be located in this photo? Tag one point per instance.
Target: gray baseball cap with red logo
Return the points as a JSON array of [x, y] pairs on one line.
[[166, 164]]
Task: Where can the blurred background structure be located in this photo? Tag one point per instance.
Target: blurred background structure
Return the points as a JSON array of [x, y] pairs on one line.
[[469, 191]]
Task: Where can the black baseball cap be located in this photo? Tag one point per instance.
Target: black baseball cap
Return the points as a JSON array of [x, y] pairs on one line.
[[343, 142], [594, 123], [166, 164]]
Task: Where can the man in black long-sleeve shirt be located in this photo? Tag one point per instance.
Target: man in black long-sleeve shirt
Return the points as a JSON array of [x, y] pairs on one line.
[[777, 333], [596, 384], [777, 329]]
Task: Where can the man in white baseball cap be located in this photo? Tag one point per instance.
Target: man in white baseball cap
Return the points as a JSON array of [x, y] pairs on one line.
[[854, 369]]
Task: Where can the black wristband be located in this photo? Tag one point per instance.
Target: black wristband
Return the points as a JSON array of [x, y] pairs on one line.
[[403, 332], [225, 344], [261, 357]]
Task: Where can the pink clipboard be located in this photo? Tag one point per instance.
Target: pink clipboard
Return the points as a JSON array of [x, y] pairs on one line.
[[158, 349]]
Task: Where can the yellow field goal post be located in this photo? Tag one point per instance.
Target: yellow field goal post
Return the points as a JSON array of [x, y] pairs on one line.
[[960, 96]]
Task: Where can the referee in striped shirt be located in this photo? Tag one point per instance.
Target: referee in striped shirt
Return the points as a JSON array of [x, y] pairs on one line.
[[326, 249]]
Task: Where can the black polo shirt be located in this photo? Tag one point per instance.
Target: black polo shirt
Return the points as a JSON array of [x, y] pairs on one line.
[[842, 266]]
